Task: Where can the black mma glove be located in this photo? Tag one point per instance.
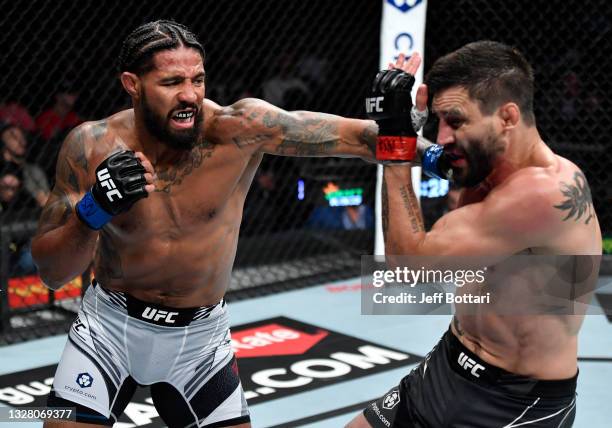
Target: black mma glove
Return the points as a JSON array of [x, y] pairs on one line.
[[390, 104], [120, 183]]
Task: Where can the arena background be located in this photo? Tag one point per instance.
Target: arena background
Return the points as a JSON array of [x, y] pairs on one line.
[[315, 55]]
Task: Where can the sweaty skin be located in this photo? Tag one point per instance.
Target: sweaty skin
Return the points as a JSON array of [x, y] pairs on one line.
[[532, 202], [177, 246]]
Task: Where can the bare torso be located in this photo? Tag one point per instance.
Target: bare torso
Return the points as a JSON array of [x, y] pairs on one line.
[[539, 346], [177, 246]]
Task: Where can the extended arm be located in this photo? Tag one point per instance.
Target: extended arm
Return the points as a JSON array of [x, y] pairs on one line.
[[255, 125]]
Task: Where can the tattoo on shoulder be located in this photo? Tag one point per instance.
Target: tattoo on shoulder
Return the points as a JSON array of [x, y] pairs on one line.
[[311, 136], [578, 203]]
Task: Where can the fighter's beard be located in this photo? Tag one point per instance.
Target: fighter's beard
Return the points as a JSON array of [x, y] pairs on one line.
[[480, 158], [159, 128]]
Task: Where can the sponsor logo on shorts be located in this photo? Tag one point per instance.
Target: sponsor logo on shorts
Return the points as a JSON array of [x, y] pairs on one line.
[[78, 391], [468, 364], [378, 413], [391, 399], [303, 357], [158, 315], [84, 380]]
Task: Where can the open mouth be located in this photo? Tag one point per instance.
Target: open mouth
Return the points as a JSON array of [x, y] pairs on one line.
[[456, 156], [183, 118]]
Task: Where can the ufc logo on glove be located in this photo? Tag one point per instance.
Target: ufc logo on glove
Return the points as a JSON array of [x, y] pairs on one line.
[[373, 104], [107, 181]]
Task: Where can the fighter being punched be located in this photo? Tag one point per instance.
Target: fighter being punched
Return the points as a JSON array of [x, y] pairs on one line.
[[491, 369], [154, 195]]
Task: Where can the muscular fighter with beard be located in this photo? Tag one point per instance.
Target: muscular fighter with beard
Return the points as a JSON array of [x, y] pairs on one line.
[[490, 369], [155, 196]]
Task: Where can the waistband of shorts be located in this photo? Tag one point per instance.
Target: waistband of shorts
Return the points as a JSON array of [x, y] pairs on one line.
[[156, 314], [471, 367]]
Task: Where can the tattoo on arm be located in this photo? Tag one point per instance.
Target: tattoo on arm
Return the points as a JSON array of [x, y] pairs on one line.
[[307, 136], [578, 202], [242, 142], [412, 206], [369, 136], [385, 207], [56, 212], [71, 164]]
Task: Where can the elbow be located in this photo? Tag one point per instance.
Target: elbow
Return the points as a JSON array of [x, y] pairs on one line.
[[46, 271], [51, 279]]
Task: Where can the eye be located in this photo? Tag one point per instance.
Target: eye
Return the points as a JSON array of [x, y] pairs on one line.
[[199, 81], [455, 123]]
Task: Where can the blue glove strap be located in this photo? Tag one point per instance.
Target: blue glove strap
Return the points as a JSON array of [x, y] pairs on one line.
[[429, 161], [91, 213]]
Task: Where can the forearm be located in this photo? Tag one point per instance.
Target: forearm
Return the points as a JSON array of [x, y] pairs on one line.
[[64, 252], [401, 214]]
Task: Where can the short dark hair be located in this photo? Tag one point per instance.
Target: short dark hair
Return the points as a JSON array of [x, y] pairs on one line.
[[492, 73], [139, 46]]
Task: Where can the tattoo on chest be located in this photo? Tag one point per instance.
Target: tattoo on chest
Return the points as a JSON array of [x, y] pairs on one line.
[[189, 162], [578, 204]]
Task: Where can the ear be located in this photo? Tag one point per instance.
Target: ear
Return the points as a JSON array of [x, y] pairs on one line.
[[131, 83], [510, 115]]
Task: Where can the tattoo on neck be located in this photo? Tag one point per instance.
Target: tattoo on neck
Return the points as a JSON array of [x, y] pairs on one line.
[[578, 202]]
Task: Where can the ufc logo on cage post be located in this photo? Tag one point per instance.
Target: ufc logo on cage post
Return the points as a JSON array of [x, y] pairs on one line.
[[373, 104], [467, 363], [158, 314], [106, 181]]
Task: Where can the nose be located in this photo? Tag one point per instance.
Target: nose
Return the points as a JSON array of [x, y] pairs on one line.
[[188, 94], [446, 135]]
